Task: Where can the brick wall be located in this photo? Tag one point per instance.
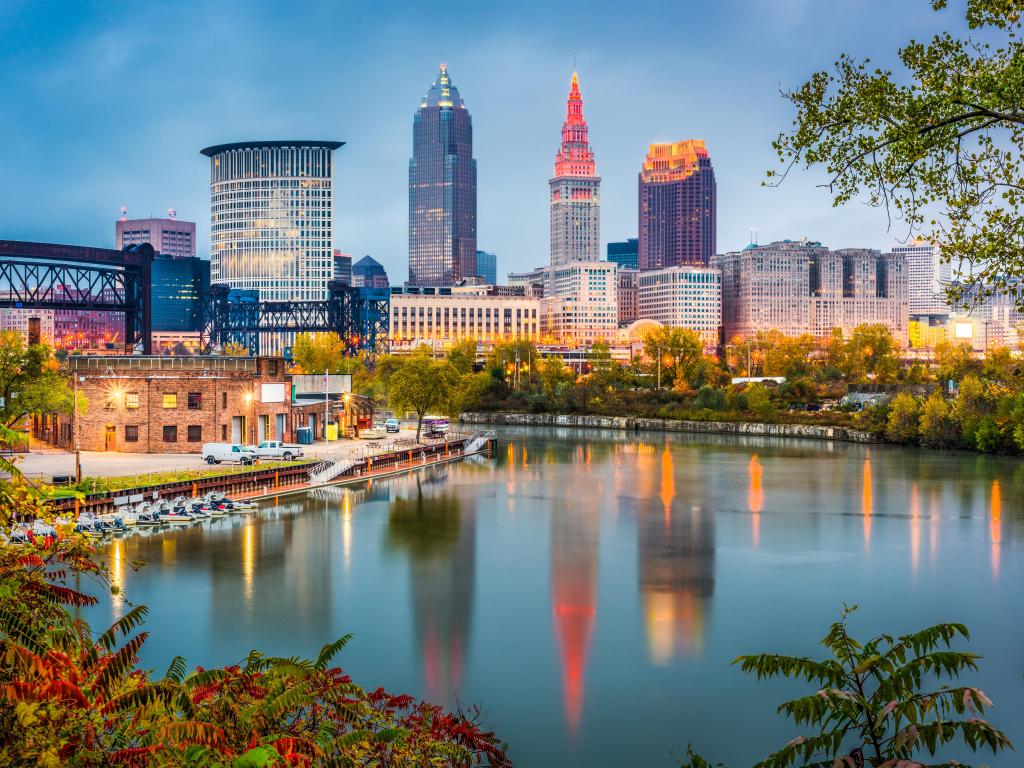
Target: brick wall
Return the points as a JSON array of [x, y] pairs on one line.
[[161, 411]]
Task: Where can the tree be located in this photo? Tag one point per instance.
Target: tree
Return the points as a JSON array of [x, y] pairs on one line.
[[789, 356], [679, 351], [872, 350], [234, 349], [1000, 365], [868, 708], [903, 419], [462, 355], [935, 427], [318, 352], [759, 400], [31, 380], [421, 385], [506, 354], [954, 359], [939, 146]]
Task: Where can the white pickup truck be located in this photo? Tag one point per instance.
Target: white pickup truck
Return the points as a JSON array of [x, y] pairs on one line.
[[276, 449]]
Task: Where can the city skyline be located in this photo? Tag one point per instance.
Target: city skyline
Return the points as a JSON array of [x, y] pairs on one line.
[[635, 97]]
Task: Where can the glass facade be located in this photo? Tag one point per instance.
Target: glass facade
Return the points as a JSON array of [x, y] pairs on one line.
[[624, 253], [369, 273], [442, 189], [179, 288], [271, 210], [677, 206], [487, 267]]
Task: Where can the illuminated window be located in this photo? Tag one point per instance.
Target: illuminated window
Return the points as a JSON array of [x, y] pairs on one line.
[[131, 400], [170, 400]]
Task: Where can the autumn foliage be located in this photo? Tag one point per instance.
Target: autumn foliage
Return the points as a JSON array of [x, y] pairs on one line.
[[69, 697]]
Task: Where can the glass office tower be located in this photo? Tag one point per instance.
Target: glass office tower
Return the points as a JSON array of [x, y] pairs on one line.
[[271, 210], [442, 189]]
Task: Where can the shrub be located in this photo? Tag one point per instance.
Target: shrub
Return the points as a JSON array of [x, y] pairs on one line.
[[904, 416]]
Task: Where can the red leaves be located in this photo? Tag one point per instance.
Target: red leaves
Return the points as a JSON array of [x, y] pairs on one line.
[[70, 596]]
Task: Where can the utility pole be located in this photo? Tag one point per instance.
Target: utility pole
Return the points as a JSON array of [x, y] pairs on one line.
[[659, 367], [327, 407], [748, 357], [74, 426]]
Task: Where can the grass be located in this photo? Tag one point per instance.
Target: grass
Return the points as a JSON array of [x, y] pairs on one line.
[[121, 483]]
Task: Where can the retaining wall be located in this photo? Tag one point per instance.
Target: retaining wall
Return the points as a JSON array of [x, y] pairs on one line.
[[811, 431]]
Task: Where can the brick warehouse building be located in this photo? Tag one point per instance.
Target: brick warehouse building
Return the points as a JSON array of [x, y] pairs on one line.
[[149, 404]]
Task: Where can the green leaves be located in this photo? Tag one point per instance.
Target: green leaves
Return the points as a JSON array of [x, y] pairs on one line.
[[869, 701]]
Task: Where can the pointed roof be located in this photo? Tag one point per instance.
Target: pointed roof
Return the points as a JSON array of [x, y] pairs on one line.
[[443, 93], [367, 262], [575, 157]]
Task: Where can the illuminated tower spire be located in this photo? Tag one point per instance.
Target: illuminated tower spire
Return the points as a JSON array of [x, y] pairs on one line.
[[575, 189]]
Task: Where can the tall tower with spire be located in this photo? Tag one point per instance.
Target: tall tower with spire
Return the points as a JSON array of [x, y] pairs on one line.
[[575, 190], [442, 188]]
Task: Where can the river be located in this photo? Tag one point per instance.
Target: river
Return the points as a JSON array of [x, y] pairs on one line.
[[589, 589]]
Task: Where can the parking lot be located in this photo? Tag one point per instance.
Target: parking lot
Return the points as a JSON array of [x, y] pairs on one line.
[[46, 464]]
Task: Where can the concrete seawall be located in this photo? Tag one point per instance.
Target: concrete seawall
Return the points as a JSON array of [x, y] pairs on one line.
[[806, 431]]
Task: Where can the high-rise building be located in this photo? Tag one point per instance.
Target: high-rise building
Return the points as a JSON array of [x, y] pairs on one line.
[[445, 315], [801, 287], [580, 302], [627, 294], [575, 190], [271, 210], [624, 253], [271, 215], [487, 267], [442, 189], [179, 288], [169, 237], [927, 279], [342, 266], [369, 273], [682, 297], [676, 206]]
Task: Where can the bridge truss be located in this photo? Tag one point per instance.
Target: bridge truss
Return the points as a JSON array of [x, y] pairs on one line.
[[360, 317], [45, 276]]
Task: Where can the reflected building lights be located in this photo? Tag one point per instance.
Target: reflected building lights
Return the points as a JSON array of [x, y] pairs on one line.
[[915, 527], [668, 483], [248, 560], [117, 577], [867, 502], [755, 498], [996, 503], [346, 531]]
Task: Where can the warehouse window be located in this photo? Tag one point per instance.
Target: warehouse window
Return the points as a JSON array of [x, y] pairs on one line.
[[195, 401], [131, 400], [195, 433], [131, 434], [170, 400], [170, 434]]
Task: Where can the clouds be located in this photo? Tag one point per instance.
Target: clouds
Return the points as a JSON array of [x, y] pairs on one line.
[[112, 102]]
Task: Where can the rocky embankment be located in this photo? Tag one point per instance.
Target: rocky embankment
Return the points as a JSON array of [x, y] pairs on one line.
[[807, 431]]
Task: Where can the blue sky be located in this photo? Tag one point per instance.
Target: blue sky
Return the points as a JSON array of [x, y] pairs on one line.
[[108, 104]]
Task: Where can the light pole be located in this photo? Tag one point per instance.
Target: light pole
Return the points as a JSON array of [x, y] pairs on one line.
[[74, 427]]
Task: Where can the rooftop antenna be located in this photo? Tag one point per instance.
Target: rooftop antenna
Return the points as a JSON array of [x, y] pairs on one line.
[[753, 235]]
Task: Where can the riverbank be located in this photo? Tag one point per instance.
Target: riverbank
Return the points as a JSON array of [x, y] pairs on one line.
[[637, 424]]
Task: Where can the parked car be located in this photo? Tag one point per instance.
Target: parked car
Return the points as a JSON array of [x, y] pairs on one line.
[[277, 449], [215, 453], [392, 425]]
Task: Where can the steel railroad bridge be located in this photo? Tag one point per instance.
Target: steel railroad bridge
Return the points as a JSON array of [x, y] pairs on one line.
[[71, 277], [360, 317]]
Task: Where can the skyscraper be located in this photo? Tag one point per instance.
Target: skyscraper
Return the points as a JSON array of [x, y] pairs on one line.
[[575, 190], [368, 273], [928, 276], [271, 210], [342, 266], [442, 189], [676, 206], [624, 253]]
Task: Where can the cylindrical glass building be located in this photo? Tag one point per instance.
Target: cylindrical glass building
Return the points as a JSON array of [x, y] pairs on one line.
[[271, 210]]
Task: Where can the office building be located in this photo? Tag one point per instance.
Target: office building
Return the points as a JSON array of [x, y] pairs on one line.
[[179, 289], [169, 237], [801, 287], [580, 303], [624, 253], [369, 273], [928, 276], [25, 322], [677, 204], [487, 267], [628, 293], [342, 266], [443, 315], [575, 190], [271, 209], [683, 297], [442, 189]]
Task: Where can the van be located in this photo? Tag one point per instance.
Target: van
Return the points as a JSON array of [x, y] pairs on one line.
[[215, 453]]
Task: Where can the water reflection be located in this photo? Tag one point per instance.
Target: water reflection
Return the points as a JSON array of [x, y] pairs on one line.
[[996, 506], [574, 535], [755, 499], [867, 503], [438, 536]]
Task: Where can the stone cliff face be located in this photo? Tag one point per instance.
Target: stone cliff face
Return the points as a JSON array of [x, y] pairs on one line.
[[810, 431]]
